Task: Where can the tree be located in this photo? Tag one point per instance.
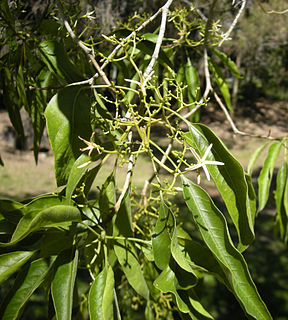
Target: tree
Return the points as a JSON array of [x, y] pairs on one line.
[[107, 97]]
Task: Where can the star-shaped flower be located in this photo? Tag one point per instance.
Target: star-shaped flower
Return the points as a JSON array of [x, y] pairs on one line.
[[202, 162], [91, 145]]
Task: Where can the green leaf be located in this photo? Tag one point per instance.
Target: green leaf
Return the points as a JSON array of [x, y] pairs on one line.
[[213, 228], [230, 64], [38, 104], [221, 82], [192, 80], [161, 238], [165, 282], [63, 283], [68, 117], [230, 181], [107, 198], [11, 102], [55, 57], [25, 284], [281, 197], [100, 298], [147, 47], [179, 257], [80, 174], [125, 249], [12, 261], [254, 158], [265, 177], [57, 216]]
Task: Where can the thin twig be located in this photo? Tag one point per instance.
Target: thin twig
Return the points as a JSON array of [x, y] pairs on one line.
[[128, 177], [208, 87], [86, 50], [227, 34], [163, 160], [149, 71], [233, 126]]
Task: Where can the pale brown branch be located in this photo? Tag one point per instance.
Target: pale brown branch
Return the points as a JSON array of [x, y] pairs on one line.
[[227, 34], [149, 71]]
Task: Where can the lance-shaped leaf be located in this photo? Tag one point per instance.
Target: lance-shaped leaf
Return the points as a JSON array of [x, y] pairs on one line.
[[265, 177], [63, 284], [187, 301], [68, 117], [55, 57], [254, 158], [12, 261], [57, 216], [25, 284], [82, 172], [230, 180], [226, 60], [125, 249], [192, 81], [100, 298], [161, 238], [213, 228], [221, 82], [281, 197]]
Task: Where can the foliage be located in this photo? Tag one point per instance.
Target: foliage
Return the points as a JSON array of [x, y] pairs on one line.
[[136, 256]]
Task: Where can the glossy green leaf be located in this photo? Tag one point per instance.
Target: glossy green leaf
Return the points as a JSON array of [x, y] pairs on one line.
[[125, 249], [107, 198], [166, 283], [192, 80], [68, 117], [57, 216], [230, 181], [63, 283], [230, 64], [55, 57], [100, 298], [181, 260], [161, 238], [266, 174], [12, 261], [213, 228], [254, 158], [25, 284], [281, 197], [221, 82], [80, 174]]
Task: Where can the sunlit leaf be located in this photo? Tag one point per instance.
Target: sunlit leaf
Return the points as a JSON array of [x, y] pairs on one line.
[[68, 117], [254, 158], [230, 180], [161, 238], [60, 215], [125, 249], [226, 60], [100, 298], [265, 177], [63, 284], [221, 82], [281, 197], [213, 228], [25, 284], [55, 57], [12, 261]]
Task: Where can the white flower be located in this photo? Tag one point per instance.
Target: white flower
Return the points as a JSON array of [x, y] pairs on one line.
[[202, 162]]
